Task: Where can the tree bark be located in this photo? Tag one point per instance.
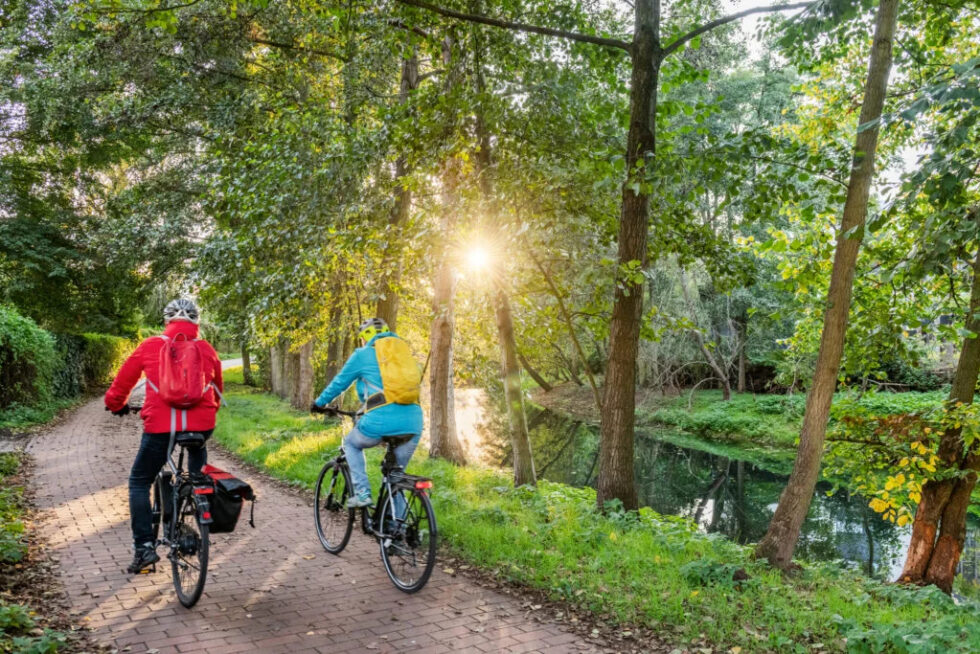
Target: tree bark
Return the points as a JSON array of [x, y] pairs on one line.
[[535, 375], [780, 540], [302, 394], [391, 264], [290, 374], [616, 475], [939, 528], [247, 364], [277, 369], [513, 395]]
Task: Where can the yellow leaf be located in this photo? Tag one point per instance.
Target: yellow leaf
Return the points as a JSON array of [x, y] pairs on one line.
[[612, 535], [903, 520], [904, 462]]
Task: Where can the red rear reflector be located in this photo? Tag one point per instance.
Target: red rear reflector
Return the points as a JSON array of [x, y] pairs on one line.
[[423, 484], [206, 515], [203, 491]]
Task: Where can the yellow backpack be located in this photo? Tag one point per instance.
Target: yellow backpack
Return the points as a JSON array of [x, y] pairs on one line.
[[400, 374]]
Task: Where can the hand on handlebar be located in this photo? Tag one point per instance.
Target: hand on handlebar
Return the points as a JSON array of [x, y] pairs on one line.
[[327, 410], [124, 411]]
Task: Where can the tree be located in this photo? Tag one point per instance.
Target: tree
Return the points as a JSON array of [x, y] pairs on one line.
[[780, 540], [647, 52]]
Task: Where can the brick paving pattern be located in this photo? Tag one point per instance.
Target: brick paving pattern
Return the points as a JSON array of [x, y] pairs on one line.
[[270, 589]]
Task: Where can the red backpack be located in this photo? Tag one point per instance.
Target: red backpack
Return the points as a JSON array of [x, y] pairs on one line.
[[182, 380]]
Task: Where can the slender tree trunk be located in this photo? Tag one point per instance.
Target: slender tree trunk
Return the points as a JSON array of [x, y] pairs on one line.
[[391, 265], [443, 441], [277, 368], [535, 375], [743, 334], [247, 364], [616, 475], [290, 375], [510, 368], [570, 326], [720, 373], [780, 540], [940, 520], [513, 395]]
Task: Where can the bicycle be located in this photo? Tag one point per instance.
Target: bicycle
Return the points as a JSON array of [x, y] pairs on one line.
[[402, 520], [179, 501]]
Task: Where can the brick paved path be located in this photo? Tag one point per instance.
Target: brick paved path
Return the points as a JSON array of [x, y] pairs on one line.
[[271, 589]]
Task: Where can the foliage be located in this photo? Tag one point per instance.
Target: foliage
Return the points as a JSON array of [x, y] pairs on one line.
[[102, 357], [12, 547], [885, 445], [636, 568], [27, 360]]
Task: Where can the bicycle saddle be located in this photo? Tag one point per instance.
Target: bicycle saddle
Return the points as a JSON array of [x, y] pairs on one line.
[[192, 439], [397, 439]]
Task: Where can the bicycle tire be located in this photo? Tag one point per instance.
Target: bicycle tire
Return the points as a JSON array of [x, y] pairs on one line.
[[409, 552], [186, 521], [334, 521]]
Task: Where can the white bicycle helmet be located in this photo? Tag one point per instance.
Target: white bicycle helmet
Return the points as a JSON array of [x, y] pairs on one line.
[[181, 309]]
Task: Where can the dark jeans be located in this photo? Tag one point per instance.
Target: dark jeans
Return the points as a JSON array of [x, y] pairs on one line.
[[150, 459]]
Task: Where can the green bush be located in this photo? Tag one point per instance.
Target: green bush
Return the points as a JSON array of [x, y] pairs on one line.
[[27, 360], [69, 379], [102, 357]]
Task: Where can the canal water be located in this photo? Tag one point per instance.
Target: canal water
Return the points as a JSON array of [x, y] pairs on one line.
[[726, 494]]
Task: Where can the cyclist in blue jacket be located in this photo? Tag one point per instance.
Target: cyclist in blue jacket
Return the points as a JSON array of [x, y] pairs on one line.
[[387, 420]]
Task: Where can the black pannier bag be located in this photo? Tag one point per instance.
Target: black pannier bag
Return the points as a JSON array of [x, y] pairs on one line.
[[226, 502]]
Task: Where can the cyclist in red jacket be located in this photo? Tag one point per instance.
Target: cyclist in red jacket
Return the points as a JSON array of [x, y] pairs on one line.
[[181, 319]]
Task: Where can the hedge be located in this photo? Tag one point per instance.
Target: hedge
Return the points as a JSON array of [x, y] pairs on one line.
[[37, 366], [27, 360]]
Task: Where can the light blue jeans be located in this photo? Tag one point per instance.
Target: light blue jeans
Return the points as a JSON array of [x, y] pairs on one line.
[[354, 445]]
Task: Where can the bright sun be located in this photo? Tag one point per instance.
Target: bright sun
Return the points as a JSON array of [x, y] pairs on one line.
[[477, 258]]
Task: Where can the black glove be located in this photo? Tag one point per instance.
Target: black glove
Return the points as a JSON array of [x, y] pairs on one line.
[[124, 411], [316, 408]]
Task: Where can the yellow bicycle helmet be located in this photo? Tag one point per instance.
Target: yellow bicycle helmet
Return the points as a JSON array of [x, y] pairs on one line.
[[371, 328]]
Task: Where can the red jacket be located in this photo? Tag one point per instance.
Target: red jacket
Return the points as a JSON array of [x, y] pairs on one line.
[[145, 360]]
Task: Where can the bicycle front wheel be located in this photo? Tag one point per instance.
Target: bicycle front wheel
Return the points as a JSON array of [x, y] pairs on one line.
[[334, 521], [408, 542], [189, 553]]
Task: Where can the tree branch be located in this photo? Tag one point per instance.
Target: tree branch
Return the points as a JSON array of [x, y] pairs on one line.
[[519, 27], [707, 27], [299, 48]]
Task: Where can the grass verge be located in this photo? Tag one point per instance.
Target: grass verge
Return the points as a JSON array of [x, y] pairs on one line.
[[632, 568], [22, 630], [18, 417]]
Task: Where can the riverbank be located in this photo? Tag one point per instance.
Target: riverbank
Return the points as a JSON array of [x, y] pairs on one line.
[[748, 420], [630, 569]]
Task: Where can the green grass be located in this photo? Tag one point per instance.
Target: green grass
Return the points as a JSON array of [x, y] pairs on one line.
[[761, 421], [23, 417], [16, 620], [632, 568]]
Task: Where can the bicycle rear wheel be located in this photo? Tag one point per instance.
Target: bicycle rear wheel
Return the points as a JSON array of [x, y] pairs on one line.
[[189, 553], [334, 521], [408, 547]]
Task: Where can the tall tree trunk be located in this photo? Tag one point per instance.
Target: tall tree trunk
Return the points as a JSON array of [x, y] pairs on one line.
[[513, 395], [742, 327], [616, 477], [290, 374], [940, 520], [443, 441], [510, 368], [391, 264], [535, 375], [302, 392], [784, 530], [247, 364], [277, 368]]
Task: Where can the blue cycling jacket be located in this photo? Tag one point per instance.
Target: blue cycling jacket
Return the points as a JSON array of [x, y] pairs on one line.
[[362, 369]]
